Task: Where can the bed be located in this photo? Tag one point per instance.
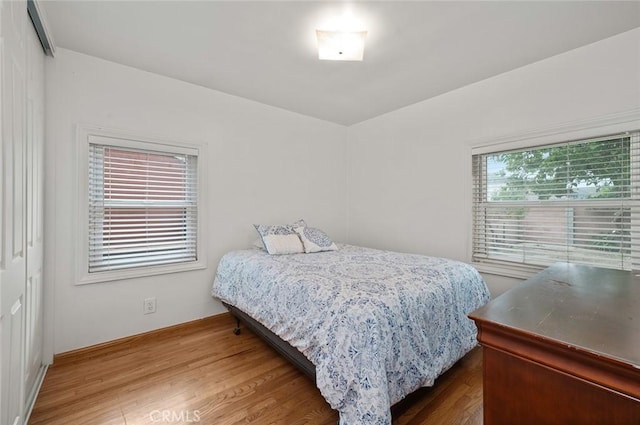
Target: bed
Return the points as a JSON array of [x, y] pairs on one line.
[[372, 326]]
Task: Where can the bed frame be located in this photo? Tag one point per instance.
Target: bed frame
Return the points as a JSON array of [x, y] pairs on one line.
[[284, 348]]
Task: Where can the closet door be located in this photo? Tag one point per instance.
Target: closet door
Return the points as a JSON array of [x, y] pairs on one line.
[[13, 249], [34, 218]]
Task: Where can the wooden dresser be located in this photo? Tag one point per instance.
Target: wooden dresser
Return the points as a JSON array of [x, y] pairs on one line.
[[563, 348]]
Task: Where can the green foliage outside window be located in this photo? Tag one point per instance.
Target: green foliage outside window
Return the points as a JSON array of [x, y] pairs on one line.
[[600, 168]]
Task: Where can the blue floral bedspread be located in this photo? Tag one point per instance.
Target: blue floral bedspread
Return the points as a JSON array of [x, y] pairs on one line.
[[376, 324]]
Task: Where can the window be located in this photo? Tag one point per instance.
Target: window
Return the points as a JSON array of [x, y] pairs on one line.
[[140, 207], [576, 201]]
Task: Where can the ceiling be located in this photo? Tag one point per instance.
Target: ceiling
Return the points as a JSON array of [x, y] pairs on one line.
[[266, 50]]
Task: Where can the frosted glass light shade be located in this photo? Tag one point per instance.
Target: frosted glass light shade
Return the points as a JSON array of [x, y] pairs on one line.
[[341, 45]]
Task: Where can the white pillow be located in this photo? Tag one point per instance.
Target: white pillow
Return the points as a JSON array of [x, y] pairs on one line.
[[258, 242], [315, 240], [280, 239]]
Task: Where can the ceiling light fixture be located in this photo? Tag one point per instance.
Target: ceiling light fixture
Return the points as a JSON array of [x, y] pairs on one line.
[[341, 37], [341, 45]]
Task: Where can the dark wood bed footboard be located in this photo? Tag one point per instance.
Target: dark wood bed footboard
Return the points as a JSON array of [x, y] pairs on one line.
[[281, 346]]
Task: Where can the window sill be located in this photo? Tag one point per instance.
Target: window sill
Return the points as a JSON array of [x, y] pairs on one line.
[[109, 276], [524, 272]]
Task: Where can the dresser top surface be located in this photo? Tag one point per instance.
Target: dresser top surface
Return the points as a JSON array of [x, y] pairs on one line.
[[592, 309]]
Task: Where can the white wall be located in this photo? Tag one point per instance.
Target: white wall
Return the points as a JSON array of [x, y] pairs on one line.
[[264, 165], [409, 170], [406, 173]]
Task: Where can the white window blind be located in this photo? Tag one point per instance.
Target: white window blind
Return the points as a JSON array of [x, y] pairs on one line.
[[576, 202], [142, 208]]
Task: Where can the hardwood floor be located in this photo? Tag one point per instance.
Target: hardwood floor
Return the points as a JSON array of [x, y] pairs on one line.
[[202, 373]]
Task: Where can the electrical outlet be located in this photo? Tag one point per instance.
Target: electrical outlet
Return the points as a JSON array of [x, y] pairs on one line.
[[149, 305]]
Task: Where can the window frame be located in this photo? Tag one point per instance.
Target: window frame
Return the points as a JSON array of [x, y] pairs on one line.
[[628, 121], [88, 134]]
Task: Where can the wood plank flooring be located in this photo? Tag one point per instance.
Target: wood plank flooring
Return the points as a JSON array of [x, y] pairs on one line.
[[202, 373]]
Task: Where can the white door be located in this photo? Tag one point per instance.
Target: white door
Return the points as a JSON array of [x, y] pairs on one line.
[[13, 249], [34, 209]]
